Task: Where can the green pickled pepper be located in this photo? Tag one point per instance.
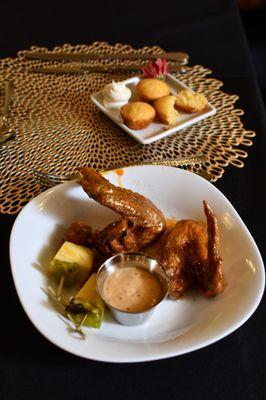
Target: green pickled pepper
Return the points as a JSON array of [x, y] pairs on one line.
[[69, 270]]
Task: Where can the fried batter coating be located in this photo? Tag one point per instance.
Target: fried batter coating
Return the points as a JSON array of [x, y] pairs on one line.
[[79, 233]]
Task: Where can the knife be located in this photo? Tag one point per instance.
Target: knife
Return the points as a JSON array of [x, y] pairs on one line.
[[180, 57], [101, 69]]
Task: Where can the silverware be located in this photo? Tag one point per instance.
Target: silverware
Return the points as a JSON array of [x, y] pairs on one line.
[[180, 57], [49, 180], [102, 69], [5, 132]]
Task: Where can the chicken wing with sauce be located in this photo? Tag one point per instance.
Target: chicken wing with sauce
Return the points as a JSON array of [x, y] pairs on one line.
[[190, 255], [141, 221]]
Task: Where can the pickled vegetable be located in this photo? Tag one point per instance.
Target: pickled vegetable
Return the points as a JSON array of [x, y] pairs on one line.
[[69, 270], [87, 308]]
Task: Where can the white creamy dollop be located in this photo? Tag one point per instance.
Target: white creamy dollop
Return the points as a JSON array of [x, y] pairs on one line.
[[116, 94]]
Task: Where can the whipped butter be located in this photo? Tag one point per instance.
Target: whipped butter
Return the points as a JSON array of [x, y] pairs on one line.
[[116, 94]]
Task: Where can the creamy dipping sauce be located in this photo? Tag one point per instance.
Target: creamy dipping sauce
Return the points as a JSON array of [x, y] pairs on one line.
[[132, 289]]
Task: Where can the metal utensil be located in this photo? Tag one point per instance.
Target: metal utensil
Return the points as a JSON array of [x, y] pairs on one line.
[[5, 132], [180, 57], [49, 180], [126, 260], [82, 69]]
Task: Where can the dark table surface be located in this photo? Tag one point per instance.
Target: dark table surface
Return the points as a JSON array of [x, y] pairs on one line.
[[212, 33]]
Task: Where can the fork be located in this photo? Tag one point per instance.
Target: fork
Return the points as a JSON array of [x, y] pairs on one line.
[[48, 180], [5, 132]]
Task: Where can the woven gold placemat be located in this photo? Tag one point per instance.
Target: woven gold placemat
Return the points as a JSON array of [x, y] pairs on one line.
[[58, 127]]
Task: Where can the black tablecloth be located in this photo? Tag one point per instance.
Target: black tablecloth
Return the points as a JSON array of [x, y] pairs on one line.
[[212, 33]]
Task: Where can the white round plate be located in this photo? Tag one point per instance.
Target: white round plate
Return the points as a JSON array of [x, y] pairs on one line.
[[176, 327]]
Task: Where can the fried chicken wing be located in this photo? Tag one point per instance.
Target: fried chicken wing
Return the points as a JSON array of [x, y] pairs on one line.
[[141, 221], [190, 255], [211, 279], [79, 233]]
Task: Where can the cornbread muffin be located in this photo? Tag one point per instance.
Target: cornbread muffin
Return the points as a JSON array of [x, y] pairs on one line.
[[165, 108], [190, 102], [152, 89], [137, 115]]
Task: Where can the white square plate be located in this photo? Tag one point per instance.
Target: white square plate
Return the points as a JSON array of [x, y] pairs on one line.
[[156, 130]]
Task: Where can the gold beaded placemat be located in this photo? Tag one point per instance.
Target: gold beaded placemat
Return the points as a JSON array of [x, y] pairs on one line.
[[58, 127]]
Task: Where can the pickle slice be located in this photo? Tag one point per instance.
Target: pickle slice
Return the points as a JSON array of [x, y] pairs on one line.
[[87, 308], [69, 270]]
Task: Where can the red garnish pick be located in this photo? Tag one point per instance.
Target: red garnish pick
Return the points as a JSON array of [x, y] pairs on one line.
[[157, 69]]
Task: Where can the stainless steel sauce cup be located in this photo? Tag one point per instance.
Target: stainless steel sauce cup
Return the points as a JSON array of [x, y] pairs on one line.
[[139, 260]]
